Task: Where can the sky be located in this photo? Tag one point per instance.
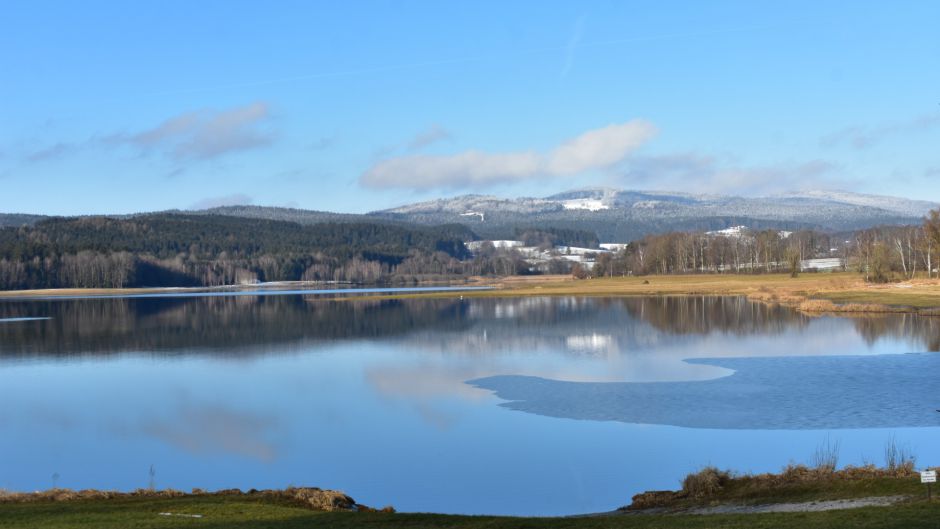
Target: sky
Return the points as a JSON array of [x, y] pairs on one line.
[[121, 107]]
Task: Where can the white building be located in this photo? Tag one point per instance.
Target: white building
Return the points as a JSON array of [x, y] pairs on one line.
[[475, 245]]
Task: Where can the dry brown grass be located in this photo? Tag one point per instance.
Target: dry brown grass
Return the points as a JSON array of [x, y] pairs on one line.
[[792, 474], [310, 497], [847, 292], [705, 483], [86, 494], [841, 292], [825, 305], [711, 484]]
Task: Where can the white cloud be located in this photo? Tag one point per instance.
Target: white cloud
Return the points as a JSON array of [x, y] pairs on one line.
[[199, 135], [433, 134], [706, 174], [205, 134], [865, 137], [595, 149], [464, 169], [51, 153], [599, 148]]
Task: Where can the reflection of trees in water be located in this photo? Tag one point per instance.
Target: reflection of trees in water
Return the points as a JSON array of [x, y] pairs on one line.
[[921, 330], [247, 324], [216, 324], [601, 326], [703, 315]]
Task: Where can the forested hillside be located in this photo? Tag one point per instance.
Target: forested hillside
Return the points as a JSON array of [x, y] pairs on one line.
[[18, 219], [176, 249], [620, 216], [207, 250]]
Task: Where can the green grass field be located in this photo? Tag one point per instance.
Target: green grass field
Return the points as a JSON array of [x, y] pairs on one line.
[[241, 513], [245, 511]]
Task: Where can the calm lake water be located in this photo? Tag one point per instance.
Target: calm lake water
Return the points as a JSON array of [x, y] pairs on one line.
[[517, 406]]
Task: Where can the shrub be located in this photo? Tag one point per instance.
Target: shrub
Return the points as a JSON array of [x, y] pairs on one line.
[[706, 482], [899, 459], [826, 456]]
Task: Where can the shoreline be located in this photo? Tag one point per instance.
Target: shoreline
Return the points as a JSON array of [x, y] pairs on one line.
[[811, 293], [261, 289], [843, 293], [739, 502], [799, 495]]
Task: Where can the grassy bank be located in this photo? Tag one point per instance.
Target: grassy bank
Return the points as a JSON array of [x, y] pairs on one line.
[[844, 292], [238, 512], [794, 484], [709, 498]]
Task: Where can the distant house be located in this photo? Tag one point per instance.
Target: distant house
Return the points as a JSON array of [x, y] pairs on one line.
[[475, 245], [828, 264], [614, 246]]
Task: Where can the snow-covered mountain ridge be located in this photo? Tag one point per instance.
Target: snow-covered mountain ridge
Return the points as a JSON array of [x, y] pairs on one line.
[[619, 215]]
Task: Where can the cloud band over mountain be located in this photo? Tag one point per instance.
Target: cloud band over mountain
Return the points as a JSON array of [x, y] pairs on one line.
[[595, 149]]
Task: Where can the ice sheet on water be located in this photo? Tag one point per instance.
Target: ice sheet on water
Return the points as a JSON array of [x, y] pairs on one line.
[[787, 393]]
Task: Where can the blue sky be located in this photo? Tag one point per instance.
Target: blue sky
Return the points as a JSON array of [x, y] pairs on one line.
[[114, 107]]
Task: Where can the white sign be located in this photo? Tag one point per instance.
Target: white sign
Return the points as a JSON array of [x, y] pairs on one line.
[[928, 476]]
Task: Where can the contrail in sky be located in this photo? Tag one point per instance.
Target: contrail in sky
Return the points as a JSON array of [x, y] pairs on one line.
[[569, 47], [572, 45]]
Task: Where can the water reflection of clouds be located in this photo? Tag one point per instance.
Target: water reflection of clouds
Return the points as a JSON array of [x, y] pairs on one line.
[[603, 342], [213, 428], [37, 415], [372, 396]]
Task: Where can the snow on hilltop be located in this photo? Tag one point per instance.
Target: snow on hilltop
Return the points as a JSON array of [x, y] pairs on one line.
[[904, 206], [584, 203], [811, 206]]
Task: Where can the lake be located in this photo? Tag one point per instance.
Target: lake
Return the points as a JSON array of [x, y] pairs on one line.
[[530, 406]]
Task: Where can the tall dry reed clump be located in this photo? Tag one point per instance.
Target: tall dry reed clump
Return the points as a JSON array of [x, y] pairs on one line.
[[899, 459], [826, 456], [705, 483], [710, 482]]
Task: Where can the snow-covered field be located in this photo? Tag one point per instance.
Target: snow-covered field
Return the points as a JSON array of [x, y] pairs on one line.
[[589, 204]]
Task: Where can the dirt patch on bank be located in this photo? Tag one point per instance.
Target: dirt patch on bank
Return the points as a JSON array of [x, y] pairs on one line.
[[812, 506]]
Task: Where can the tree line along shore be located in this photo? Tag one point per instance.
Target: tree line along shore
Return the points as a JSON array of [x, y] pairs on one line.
[[179, 250]]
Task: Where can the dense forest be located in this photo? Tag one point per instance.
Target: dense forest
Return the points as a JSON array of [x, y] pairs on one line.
[[174, 249], [550, 237], [182, 250]]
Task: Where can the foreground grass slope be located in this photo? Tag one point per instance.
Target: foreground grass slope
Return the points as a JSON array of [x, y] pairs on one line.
[[239, 512], [282, 510]]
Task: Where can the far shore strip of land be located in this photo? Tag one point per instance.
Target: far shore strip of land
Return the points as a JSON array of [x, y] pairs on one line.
[[840, 292]]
